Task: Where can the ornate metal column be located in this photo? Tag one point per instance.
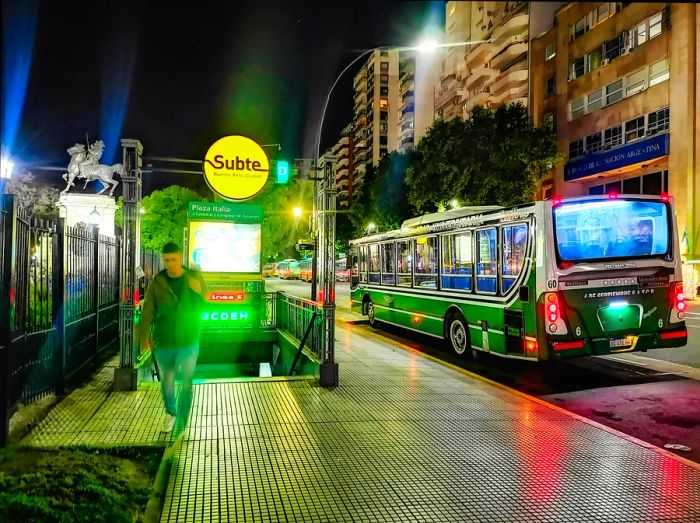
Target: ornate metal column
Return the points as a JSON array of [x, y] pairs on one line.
[[326, 273], [126, 376]]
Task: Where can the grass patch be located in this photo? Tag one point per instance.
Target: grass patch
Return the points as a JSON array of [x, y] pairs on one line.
[[76, 484]]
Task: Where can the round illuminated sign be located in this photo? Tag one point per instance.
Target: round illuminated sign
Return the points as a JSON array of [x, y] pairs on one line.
[[236, 168]]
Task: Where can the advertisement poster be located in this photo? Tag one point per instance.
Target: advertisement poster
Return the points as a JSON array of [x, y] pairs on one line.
[[225, 247]]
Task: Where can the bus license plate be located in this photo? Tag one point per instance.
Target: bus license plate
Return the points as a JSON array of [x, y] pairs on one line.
[[621, 342]]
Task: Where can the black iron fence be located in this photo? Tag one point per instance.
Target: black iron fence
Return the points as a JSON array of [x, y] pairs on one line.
[[59, 303]]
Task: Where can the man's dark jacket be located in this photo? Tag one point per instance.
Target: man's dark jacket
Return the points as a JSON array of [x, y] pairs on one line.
[[173, 321]]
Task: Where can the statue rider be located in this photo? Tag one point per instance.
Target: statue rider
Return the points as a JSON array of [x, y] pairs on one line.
[[92, 159]]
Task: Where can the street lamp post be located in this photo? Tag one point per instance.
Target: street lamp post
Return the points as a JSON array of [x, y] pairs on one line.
[[324, 220]]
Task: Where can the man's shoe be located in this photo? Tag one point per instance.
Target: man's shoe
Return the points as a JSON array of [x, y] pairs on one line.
[[169, 423]]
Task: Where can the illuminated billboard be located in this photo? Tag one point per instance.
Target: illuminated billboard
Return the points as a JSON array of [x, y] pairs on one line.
[[224, 247]]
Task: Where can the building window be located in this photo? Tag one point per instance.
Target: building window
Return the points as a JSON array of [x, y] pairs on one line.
[[575, 149], [594, 142], [632, 185], [578, 29], [613, 92], [658, 72], [383, 103], [634, 129], [383, 139], [383, 91], [638, 35], [612, 137], [577, 68], [383, 127], [593, 60], [384, 66], [655, 25], [577, 108], [550, 86], [636, 82], [595, 100], [652, 183], [613, 47], [550, 51], [658, 121]]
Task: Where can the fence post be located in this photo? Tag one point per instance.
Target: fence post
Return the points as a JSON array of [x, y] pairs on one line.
[[59, 301], [8, 213], [96, 289]]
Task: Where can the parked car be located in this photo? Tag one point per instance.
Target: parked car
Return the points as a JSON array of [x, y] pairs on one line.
[[269, 270]]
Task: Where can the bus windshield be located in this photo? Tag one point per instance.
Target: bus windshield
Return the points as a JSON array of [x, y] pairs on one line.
[[602, 229]]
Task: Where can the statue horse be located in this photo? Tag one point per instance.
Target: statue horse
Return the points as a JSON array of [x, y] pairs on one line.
[[104, 173]]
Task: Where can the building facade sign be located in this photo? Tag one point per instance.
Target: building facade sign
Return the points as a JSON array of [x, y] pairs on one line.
[[641, 151]]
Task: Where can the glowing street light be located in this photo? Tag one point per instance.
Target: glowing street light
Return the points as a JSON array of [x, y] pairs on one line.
[[297, 212], [6, 167], [454, 203]]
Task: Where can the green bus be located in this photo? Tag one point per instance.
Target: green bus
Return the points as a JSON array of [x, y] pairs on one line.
[[549, 279]]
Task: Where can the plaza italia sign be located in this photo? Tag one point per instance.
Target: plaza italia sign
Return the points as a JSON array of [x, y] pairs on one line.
[[641, 151], [236, 168]]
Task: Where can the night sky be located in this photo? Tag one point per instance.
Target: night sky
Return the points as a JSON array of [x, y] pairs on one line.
[[179, 75]]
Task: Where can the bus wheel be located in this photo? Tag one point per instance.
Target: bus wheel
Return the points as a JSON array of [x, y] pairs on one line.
[[370, 314], [458, 335]]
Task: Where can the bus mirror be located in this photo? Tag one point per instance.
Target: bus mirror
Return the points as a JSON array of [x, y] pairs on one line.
[[524, 293]]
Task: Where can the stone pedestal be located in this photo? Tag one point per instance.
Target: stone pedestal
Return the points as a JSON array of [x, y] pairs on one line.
[[85, 208]]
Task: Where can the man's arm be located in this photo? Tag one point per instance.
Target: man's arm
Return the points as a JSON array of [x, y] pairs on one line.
[[196, 283], [147, 314]]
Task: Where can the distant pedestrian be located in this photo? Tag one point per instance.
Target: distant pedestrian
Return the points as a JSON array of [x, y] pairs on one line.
[[170, 325]]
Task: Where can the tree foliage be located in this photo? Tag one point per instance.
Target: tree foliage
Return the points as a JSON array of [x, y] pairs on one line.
[[39, 201], [382, 199], [493, 158], [164, 215]]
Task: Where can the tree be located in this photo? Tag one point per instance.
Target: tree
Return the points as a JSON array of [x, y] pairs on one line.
[[493, 158], [383, 197], [39, 201], [164, 217]]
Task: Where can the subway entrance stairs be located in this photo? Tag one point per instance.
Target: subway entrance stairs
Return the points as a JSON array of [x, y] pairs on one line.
[[401, 439]]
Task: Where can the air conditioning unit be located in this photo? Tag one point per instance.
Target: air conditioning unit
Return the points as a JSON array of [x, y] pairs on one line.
[[605, 62], [624, 51]]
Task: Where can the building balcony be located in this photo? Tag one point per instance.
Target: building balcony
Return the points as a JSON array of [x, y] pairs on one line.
[[514, 26], [478, 77], [512, 95], [360, 78], [509, 80], [448, 78], [480, 98], [445, 96], [343, 162], [509, 53], [479, 55]]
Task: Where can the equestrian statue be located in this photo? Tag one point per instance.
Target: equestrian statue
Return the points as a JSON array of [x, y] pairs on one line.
[[85, 165]]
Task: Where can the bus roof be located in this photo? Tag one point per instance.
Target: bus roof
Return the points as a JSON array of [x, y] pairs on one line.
[[450, 214]]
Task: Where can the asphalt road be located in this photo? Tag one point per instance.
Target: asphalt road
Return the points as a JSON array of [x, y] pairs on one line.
[[651, 396]]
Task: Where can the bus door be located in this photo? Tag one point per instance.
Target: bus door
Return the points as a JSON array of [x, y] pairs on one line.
[[353, 259]]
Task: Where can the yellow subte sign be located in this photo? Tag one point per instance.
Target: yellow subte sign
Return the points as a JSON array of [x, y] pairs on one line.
[[236, 168]]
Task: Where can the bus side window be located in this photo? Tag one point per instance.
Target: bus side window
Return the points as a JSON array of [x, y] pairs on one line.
[[374, 264], [513, 252], [388, 264], [457, 261], [486, 261], [405, 265], [426, 262]]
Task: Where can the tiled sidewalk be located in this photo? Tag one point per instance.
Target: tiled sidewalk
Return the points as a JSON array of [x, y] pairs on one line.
[[402, 439]]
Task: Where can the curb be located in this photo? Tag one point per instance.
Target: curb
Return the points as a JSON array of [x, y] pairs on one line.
[[154, 507], [631, 439]]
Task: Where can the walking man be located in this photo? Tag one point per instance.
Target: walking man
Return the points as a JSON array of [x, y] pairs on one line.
[[170, 325]]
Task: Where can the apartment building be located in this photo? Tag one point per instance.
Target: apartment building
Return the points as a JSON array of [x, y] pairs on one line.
[[488, 73], [343, 150], [376, 97], [620, 82]]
